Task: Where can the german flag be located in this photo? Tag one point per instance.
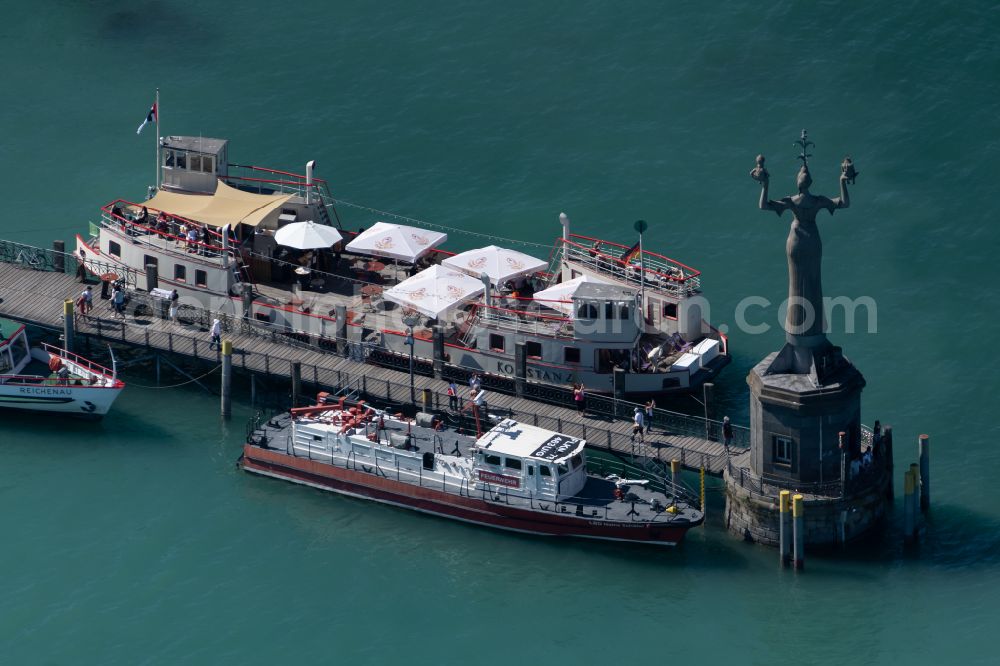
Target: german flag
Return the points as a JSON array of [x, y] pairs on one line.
[[631, 253]]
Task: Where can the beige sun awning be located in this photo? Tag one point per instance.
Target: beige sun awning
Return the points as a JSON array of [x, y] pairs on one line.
[[227, 206]]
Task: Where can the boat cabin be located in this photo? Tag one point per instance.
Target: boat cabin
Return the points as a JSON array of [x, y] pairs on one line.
[[14, 351], [605, 313], [530, 461], [193, 163]]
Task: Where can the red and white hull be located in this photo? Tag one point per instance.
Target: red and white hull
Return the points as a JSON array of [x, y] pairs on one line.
[[353, 483]]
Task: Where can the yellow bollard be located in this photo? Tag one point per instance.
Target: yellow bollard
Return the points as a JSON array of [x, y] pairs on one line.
[[785, 528], [798, 517], [68, 325]]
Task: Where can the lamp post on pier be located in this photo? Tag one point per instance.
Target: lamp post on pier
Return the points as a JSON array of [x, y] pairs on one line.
[[411, 321]]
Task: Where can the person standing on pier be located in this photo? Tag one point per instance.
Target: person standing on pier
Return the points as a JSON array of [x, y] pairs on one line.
[[452, 395], [637, 426], [85, 301], [216, 333], [650, 406], [118, 301], [173, 305], [580, 398], [727, 431], [81, 267]]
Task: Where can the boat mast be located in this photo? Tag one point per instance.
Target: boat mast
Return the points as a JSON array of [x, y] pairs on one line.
[[156, 137], [640, 226]]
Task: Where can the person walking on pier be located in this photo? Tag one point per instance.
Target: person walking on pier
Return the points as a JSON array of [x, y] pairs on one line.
[[81, 267], [637, 426], [173, 305], [86, 299], [727, 431], [216, 333], [118, 301], [479, 401], [475, 383], [452, 395]]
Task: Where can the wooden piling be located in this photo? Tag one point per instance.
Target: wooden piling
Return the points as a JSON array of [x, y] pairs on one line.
[[785, 528], [924, 448], [675, 466], [340, 312], [799, 533], [68, 325], [59, 256], [887, 452], [152, 276], [296, 382], [227, 378], [908, 517]]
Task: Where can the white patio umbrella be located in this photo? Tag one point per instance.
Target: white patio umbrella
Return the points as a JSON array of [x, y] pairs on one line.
[[559, 297], [500, 263], [307, 235], [432, 291], [396, 241]]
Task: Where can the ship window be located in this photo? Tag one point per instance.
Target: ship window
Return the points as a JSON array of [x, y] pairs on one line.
[[577, 460], [531, 470], [670, 310], [180, 272], [533, 349], [544, 470], [512, 463], [571, 355], [201, 278], [623, 311], [114, 249], [168, 158], [586, 311], [180, 159], [609, 310], [782, 450], [206, 163], [492, 460], [496, 342], [563, 470], [194, 163]]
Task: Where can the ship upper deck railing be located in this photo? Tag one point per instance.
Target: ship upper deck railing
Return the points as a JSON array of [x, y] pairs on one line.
[[264, 180], [163, 236], [525, 320], [658, 273]]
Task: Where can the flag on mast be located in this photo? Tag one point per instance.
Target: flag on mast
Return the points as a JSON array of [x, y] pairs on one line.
[[630, 253], [150, 117]]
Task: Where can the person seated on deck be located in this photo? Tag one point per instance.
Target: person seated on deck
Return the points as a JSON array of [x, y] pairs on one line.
[[192, 239], [162, 222], [143, 217]]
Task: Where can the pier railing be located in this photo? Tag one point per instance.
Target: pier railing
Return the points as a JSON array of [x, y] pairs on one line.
[[865, 476], [43, 259]]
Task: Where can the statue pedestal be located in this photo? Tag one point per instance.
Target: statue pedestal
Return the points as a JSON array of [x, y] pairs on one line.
[[795, 421]]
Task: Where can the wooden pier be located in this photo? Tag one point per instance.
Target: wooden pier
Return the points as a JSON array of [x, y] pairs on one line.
[[34, 293]]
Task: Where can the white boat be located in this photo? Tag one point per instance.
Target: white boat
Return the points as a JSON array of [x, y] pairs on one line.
[[48, 379], [632, 323]]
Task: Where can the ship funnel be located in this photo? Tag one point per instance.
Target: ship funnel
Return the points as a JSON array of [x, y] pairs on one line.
[[225, 246], [310, 165], [564, 221], [487, 295]]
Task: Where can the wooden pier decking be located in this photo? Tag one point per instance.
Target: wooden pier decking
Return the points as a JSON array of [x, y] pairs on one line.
[[37, 296]]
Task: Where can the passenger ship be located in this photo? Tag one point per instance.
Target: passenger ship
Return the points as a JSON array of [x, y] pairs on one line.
[[515, 476], [624, 320], [48, 379]]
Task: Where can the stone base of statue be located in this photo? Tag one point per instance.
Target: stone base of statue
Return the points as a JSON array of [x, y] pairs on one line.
[[796, 421]]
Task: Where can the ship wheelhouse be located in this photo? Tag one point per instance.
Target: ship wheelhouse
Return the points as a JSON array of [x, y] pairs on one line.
[[530, 461]]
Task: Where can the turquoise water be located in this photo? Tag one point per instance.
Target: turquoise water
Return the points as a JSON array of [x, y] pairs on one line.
[[137, 541]]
